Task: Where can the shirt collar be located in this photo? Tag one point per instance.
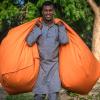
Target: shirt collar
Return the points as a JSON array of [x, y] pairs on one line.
[[47, 25]]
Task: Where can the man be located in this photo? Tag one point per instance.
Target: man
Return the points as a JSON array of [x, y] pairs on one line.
[[48, 37]]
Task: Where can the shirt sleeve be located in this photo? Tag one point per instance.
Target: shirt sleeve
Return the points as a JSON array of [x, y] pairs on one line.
[[63, 37], [33, 36]]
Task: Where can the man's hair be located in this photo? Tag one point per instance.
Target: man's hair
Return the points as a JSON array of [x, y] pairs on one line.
[[48, 3]]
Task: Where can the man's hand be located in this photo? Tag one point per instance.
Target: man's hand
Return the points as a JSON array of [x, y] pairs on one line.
[[60, 23], [39, 24]]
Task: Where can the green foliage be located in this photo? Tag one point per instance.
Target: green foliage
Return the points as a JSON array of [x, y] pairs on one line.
[[24, 96], [30, 11], [76, 13], [7, 10]]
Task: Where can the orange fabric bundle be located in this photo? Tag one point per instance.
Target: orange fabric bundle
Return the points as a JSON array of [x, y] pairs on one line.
[[19, 64], [79, 70]]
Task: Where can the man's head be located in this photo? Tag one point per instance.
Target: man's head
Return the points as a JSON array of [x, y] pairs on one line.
[[48, 11]]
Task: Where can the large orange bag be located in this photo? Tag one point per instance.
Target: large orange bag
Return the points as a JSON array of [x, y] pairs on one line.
[[19, 64]]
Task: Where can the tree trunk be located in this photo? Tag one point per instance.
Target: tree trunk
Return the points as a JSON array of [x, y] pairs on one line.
[[96, 30], [96, 38]]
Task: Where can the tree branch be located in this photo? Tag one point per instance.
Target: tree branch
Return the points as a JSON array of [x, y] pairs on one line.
[[94, 7]]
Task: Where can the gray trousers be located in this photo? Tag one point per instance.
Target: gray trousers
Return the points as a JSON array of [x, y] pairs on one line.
[[51, 96]]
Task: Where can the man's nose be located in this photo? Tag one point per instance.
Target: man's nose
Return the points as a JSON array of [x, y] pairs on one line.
[[48, 12]]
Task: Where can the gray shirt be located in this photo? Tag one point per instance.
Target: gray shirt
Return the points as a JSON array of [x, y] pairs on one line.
[[48, 40]]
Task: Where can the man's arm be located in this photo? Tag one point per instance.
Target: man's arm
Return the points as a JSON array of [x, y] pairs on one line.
[[33, 36], [63, 37]]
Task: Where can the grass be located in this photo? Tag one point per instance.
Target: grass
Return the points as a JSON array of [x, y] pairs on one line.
[[73, 96], [24, 96]]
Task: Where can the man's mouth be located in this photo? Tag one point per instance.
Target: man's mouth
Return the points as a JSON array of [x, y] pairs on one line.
[[48, 16]]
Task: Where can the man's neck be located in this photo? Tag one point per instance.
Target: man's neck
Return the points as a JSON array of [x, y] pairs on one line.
[[49, 23]]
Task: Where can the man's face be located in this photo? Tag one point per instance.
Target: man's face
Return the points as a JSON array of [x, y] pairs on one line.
[[48, 12]]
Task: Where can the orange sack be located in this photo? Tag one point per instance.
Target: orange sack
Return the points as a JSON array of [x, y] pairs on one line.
[[19, 64]]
